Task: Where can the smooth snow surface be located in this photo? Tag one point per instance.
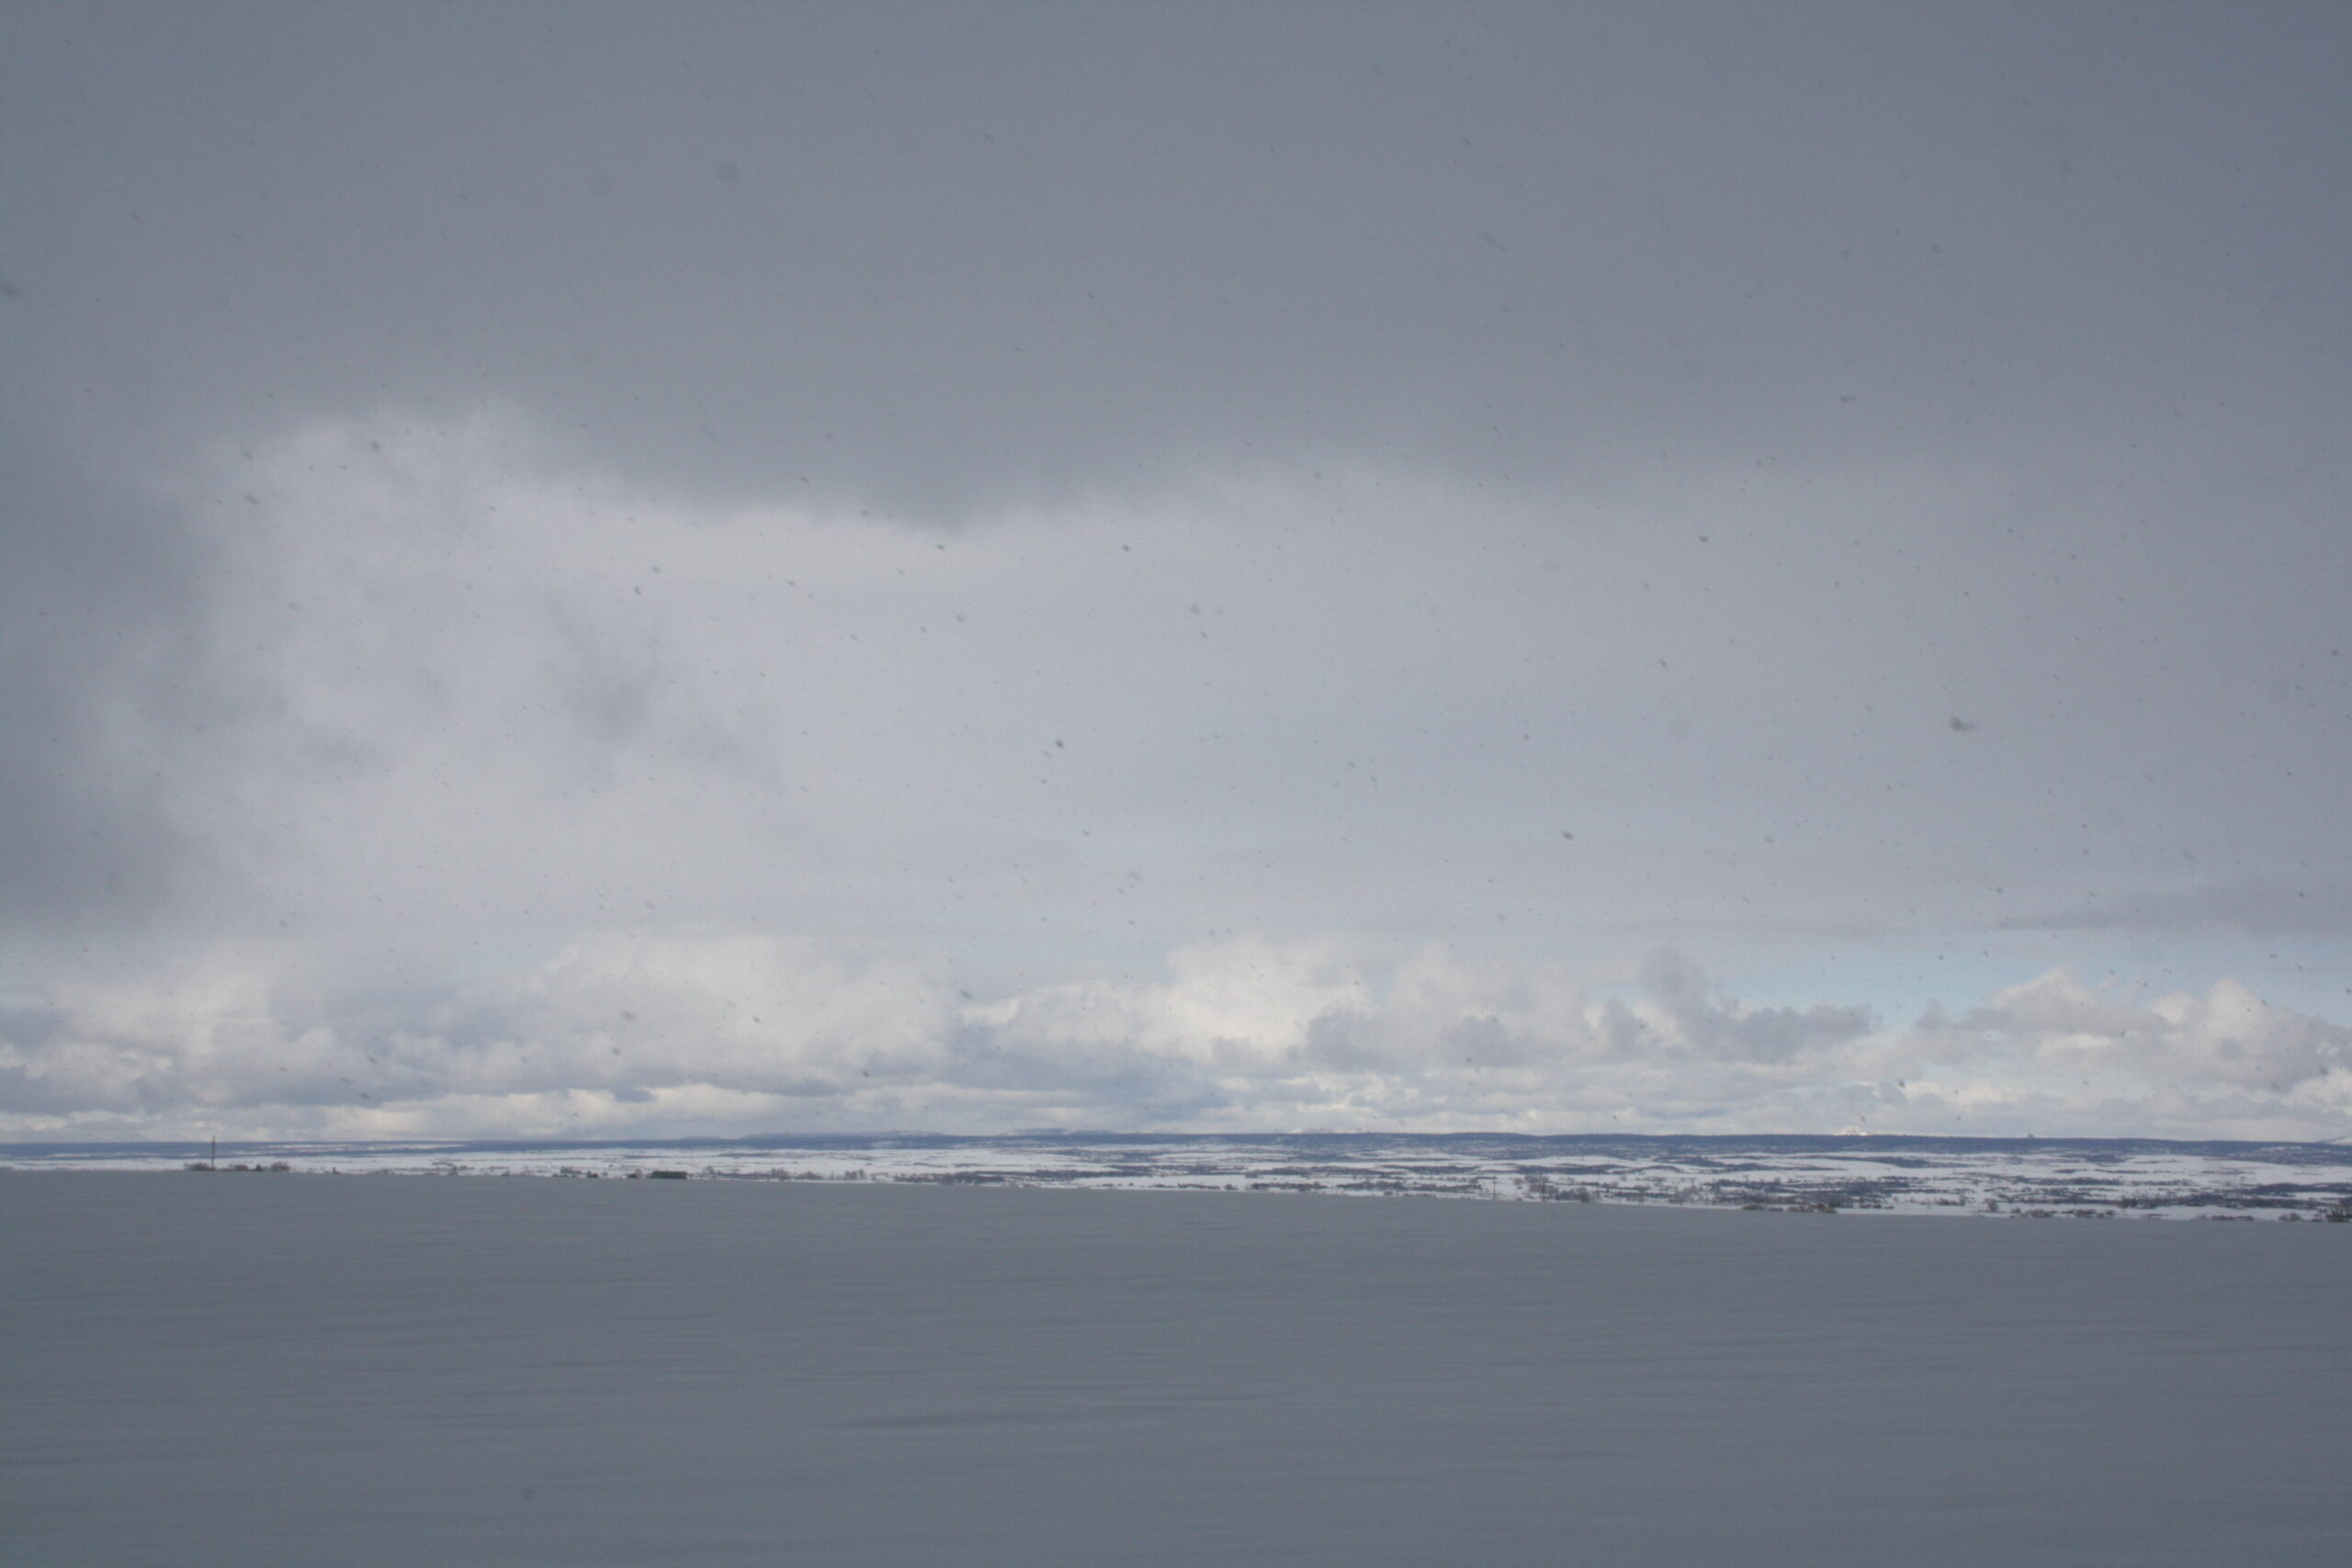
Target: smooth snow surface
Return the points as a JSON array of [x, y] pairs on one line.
[[204, 1370]]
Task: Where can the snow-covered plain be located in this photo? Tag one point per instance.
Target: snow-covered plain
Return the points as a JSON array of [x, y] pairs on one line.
[[2037, 1177], [216, 1372]]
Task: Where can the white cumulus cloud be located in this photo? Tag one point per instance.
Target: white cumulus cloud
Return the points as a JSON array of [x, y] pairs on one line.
[[670, 1032]]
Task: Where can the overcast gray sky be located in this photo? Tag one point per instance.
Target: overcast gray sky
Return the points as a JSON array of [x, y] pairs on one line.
[[604, 569]]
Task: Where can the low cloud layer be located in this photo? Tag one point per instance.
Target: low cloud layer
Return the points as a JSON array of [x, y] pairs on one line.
[[659, 1033]]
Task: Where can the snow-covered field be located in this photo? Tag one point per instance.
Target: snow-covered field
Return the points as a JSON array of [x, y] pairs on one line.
[[219, 1371], [2039, 1177]]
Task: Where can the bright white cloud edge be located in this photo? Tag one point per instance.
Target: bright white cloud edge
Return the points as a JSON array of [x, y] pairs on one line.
[[665, 1033]]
